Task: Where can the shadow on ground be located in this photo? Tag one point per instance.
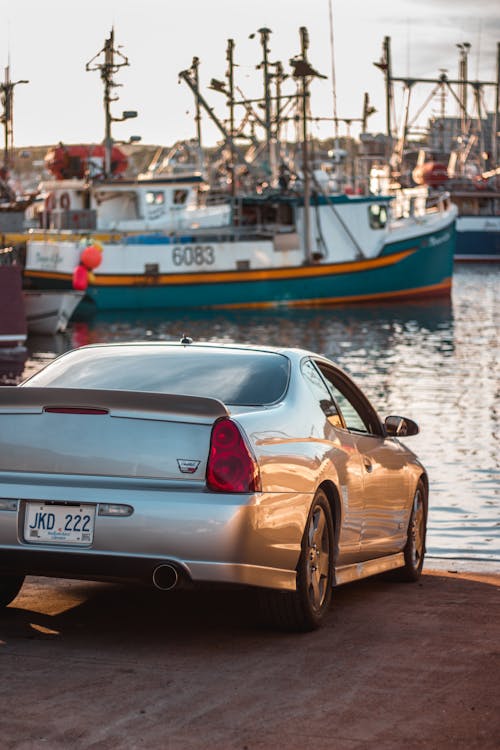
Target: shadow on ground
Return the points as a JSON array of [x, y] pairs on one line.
[[106, 666]]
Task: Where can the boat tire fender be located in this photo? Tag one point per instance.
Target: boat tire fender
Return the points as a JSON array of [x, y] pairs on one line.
[[65, 201], [49, 202]]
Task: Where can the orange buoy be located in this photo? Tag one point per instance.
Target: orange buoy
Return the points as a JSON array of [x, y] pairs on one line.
[[91, 256], [67, 162], [80, 280]]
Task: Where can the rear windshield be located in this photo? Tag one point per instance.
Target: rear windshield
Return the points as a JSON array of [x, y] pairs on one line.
[[234, 376]]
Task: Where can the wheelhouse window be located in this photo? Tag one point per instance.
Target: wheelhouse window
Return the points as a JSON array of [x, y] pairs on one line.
[[378, 215], [180, 197], [155, 197]]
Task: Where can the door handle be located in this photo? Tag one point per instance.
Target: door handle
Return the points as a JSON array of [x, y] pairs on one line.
[[368, 465]]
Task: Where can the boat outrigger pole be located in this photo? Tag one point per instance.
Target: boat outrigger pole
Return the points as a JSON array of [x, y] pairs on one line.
[[113, 61]]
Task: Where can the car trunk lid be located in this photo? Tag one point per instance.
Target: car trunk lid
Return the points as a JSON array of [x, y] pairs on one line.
[[106, 432]]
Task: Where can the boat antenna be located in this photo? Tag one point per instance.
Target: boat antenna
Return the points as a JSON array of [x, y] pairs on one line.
[[113, 61], [334, 82]]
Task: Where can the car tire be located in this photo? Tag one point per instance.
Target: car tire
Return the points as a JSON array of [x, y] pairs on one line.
[[10, 587], [305, 609], [414, 550]]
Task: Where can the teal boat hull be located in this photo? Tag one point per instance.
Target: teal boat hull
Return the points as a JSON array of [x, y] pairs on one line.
[[410, 268]]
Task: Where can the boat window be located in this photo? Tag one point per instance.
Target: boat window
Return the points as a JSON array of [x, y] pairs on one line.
[[467, 206], [378, 215], [155, 197], [486, 207], [234, 376], [180, 197]]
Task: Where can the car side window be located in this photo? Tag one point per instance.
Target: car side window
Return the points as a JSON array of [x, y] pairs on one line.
[[321, 393], [354, 419]]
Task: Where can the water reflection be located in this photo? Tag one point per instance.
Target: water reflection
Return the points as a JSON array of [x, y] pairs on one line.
[[12, 364], [435, 361]]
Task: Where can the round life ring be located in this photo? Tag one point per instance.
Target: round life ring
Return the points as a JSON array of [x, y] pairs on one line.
[[50, 202], [480, 183], [65, 201]]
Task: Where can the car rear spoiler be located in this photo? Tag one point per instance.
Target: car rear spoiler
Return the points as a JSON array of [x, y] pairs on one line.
[[34, 400]]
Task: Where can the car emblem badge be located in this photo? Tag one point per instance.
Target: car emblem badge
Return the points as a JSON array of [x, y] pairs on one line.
[[187, 465]]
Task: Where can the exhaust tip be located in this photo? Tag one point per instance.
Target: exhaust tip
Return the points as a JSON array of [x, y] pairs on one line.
[[165, 577]]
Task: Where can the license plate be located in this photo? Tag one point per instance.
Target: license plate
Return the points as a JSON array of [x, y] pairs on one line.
[[59, 524]]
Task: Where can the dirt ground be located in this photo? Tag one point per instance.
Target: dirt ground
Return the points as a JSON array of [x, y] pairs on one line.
[[397, 666]]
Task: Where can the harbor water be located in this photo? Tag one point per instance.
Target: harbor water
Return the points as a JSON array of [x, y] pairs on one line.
[[437, 361]]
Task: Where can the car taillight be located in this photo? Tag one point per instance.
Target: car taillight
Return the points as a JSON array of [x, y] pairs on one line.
[[231, 467]]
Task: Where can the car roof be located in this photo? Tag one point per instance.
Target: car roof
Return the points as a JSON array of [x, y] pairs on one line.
[[291, 352]]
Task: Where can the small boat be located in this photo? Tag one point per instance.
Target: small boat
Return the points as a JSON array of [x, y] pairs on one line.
[[49, 311], [478, 222]]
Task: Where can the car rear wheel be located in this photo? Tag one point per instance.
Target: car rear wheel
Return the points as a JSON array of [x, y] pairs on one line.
[[414, 550], [305, 608], [10, 587]]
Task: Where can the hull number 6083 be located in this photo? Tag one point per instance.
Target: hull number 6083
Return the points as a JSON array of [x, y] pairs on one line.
[[193, 255]]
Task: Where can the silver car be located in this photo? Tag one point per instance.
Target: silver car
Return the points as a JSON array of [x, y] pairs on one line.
[[177, 464]]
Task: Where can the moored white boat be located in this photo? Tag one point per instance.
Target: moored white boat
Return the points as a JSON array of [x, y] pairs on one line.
[[49, 311]]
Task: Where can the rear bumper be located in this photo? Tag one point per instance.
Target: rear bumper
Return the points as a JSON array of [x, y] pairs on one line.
[[94, 566], [252, 540]]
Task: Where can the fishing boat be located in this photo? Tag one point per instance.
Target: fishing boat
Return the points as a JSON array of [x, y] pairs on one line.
[[478, 221], [459, 155], [282, 234], [357, 252]]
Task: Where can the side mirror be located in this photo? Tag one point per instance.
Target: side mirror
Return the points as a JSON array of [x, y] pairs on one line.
[[400, 427]]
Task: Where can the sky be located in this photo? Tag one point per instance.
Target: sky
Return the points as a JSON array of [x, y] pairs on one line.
[[50, 42]]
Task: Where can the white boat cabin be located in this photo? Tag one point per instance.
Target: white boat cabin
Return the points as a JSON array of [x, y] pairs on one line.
[[170, 204]]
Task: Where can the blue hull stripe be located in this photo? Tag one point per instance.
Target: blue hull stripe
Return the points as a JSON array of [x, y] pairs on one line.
[[478, 246]]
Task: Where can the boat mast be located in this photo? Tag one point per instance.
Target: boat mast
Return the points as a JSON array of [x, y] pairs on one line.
[[230, 83], [385, 65], [194, 70], [7, 119], [271, 159], [197, 118], [303, 71], [113, 61], [494, 150], [228, 133]]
